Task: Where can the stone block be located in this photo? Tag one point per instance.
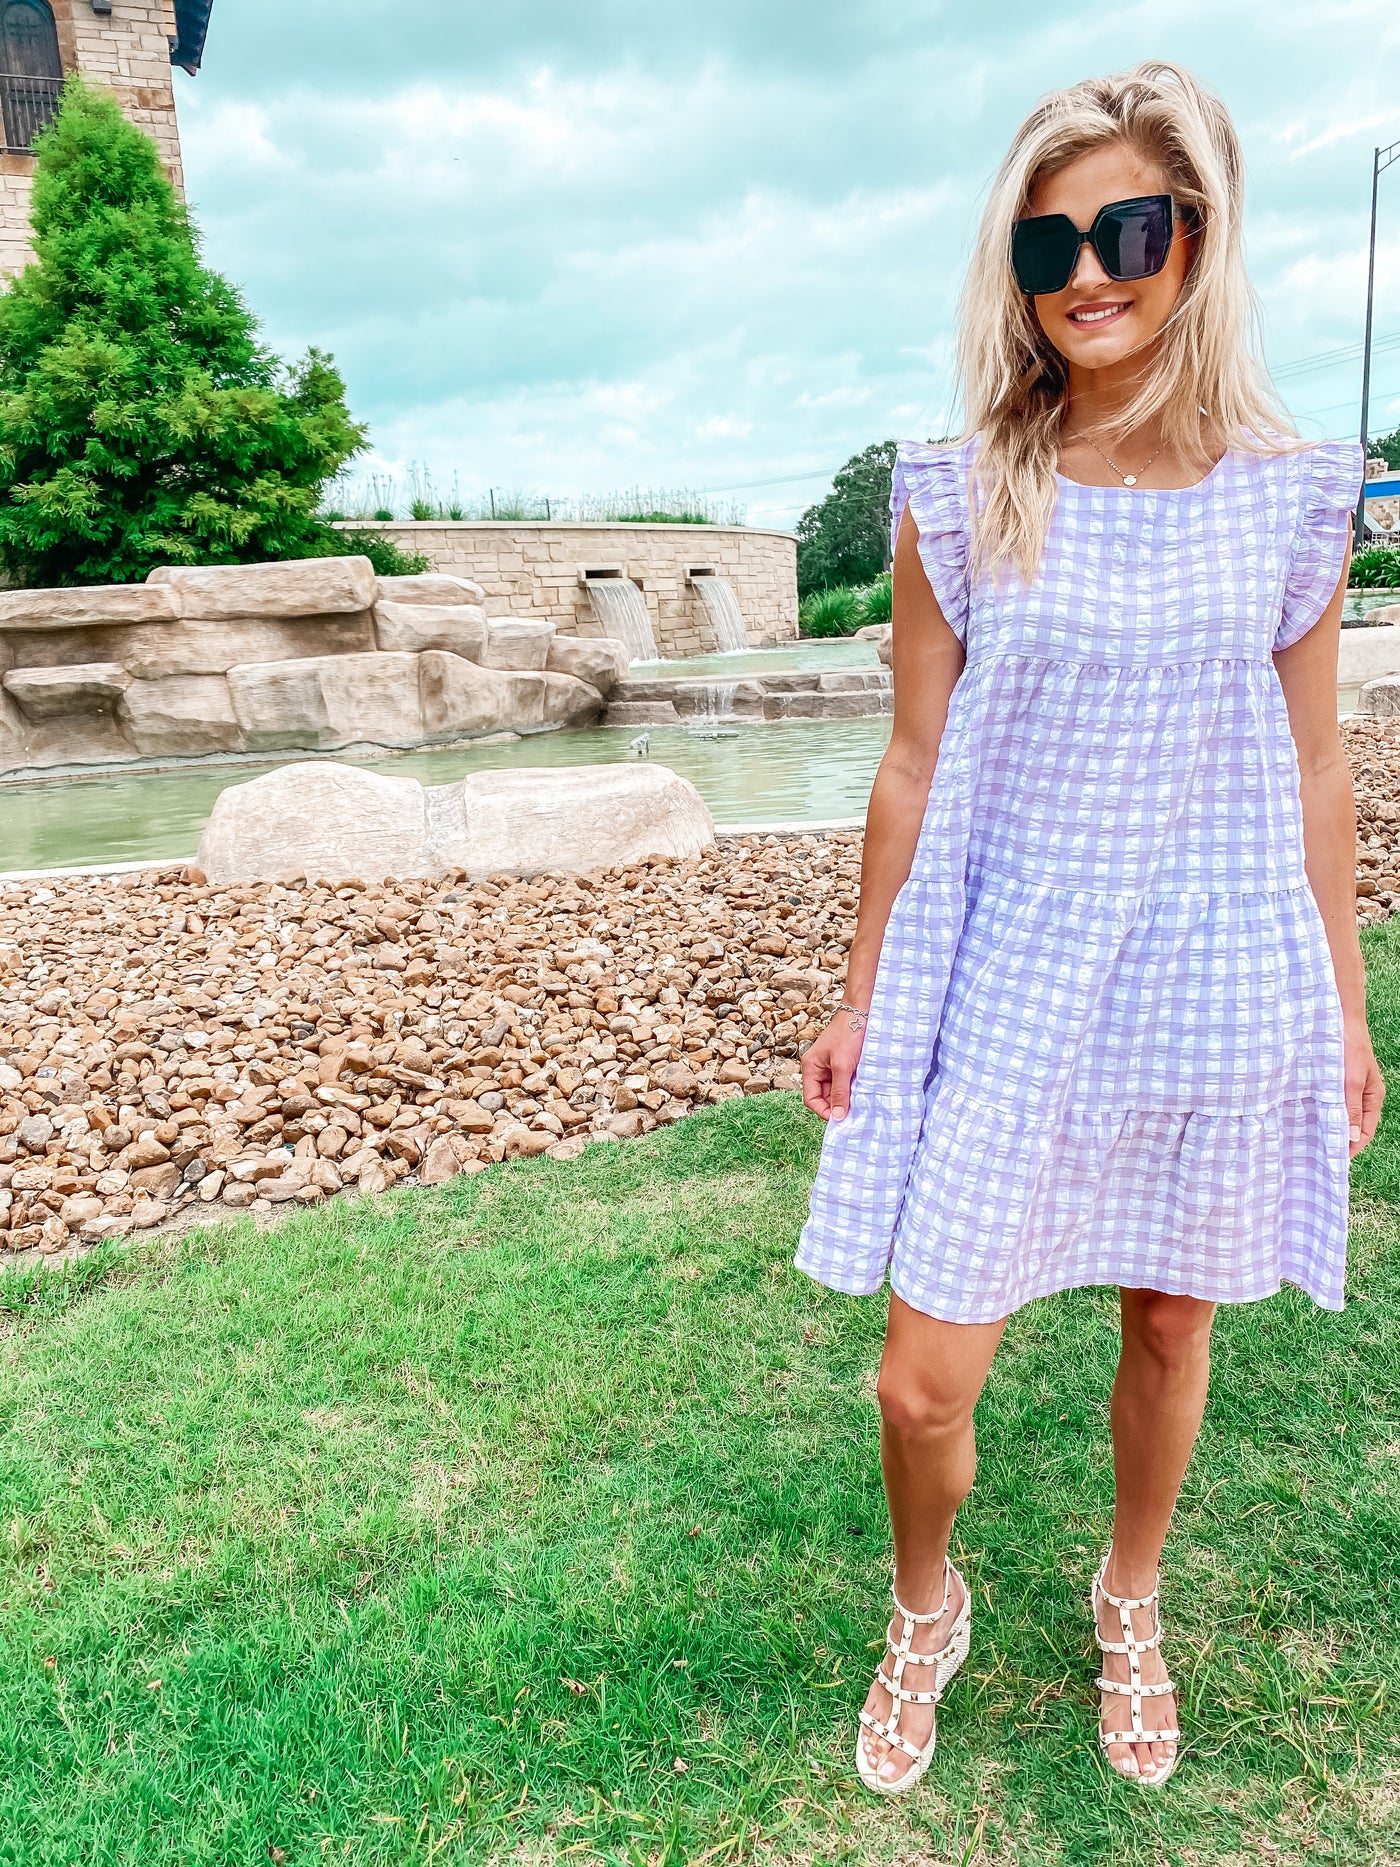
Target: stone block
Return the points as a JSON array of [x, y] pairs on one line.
[[371, 699], [327, 821], [280, 707], [570, 817], [432, 588], [199, 646], [301, 587], [1381, 697], [570, 702], [409, 628], [601, 662], [182, 716], [47, 693], [101, 605], [459, 699], [641, 713], [518, 642]]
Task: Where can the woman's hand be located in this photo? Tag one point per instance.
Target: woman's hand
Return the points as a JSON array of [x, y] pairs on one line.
[[830, 1063], [1365, 1086]]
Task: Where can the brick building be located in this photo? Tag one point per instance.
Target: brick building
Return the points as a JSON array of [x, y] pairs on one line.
[[129, 46]]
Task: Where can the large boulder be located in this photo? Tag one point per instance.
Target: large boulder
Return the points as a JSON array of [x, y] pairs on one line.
[[371, 699], [1380, 696], [328, 821], [575, 817], [600, 661], [518, 642], [434, 588], [569, 702], [111, 603], [198, 646], [280, 707], [409, 628], [301, 587], [47, 693], [460, 699], [180, 717]]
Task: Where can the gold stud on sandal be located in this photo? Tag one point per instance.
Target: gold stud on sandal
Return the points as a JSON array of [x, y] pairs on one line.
[[945, 1662], [1133, 1689]]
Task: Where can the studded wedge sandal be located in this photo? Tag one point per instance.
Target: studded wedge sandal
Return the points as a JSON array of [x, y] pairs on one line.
[[1132, 1688], [936, 1669]]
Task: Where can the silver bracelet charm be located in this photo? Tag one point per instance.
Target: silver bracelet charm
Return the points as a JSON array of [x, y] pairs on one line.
[[857, 1014]]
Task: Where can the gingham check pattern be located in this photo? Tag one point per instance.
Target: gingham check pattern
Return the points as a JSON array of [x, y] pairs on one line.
[[1105, 1045]]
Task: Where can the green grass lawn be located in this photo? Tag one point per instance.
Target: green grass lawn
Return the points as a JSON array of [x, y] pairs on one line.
[[539, 1516]]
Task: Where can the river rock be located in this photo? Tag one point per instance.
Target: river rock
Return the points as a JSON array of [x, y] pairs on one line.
[[185, 714], [301, 587], [96, 605], [431, 587], [280, 707], [47, 693], [518, 642], [1385, 613], [320, 820], [460, 628], [571, 817], [460, 699], [600, 661]]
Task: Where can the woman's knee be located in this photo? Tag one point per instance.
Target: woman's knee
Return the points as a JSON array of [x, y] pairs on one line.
[[913, 1406], [1174, 1331]]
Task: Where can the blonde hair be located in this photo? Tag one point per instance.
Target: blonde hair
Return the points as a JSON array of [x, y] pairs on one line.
[[1203, 381]]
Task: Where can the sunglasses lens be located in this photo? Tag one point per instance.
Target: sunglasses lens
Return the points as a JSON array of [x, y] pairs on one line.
[[1043, 253], [1133, 240]]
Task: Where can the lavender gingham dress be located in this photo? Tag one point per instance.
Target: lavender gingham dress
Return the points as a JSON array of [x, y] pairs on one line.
[[1105, 1044]]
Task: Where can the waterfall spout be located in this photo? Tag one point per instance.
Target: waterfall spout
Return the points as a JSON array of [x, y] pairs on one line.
[[722, 608], [622, 609]]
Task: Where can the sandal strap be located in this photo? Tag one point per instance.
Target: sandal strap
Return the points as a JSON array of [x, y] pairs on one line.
[[1138, 1737], [901, 1696], [890, 1735], [1126, 1689], [1135, 1645], [926, 1620]]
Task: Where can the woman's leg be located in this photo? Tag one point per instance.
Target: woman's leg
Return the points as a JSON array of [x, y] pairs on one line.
[[930, 1376], [1159, 1397]]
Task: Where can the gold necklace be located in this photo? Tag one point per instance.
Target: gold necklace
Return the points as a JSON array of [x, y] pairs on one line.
[[1128, 479]]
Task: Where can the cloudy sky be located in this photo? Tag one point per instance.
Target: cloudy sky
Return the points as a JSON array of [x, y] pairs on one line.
[[576, 246]]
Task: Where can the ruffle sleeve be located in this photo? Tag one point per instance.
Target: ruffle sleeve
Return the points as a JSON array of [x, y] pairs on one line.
[[932, 483], [1330, 490]]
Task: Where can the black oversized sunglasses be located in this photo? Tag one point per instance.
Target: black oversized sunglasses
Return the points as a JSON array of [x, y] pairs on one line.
[[1131, 238]]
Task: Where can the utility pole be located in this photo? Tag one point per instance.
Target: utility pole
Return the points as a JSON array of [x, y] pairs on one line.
[[1380, 163]]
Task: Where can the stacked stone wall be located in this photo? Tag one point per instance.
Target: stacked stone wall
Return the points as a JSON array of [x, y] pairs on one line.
[[534, 569], [127, 51]]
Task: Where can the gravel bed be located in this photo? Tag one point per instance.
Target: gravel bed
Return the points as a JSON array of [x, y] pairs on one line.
[[167, 1046]]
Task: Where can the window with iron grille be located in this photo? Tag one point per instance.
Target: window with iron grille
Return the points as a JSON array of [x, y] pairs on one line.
[[31, 71]]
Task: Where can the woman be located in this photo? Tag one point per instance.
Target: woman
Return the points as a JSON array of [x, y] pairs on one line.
[[1117, 1032]]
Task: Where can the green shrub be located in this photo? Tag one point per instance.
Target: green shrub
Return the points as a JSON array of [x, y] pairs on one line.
[[879, 598], [825, 613], [388, 558], [1376, 568], [142, 419]]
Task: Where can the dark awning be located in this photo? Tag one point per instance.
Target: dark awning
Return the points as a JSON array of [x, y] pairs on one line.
[[191, 28]]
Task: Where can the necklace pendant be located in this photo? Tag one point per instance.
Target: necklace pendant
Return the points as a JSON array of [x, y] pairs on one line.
[[1130, 479]]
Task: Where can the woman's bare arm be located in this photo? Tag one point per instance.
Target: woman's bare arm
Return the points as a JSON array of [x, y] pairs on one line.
[[928, 658], [1307, 672]]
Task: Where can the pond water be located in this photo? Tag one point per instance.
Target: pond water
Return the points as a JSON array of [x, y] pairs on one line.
[[784, 771]]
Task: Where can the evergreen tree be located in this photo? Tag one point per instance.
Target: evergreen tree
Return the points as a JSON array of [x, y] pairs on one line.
[[142, 421], [846, 539]]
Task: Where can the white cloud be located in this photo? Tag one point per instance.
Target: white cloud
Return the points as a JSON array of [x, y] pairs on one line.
[[585, 248]]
